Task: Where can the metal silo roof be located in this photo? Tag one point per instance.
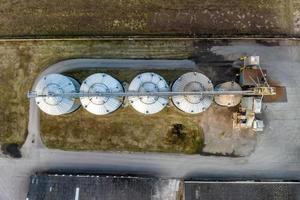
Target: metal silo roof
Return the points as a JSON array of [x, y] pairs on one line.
[[56, 84], [148, 82], [97, 83], [228, 100], [192, 82]]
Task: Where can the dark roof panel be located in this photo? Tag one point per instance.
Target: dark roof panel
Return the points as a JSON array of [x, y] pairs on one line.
[[49, 187], [241, 190]]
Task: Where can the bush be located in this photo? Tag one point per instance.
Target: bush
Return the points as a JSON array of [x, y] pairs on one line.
[[13, 150]]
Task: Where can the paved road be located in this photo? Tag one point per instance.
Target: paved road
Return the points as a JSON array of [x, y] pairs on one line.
[[277, 155]]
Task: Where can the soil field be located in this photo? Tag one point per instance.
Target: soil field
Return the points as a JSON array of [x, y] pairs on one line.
[[143, 17]]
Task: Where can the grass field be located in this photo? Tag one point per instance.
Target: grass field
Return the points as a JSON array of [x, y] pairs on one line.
[[124, 130]]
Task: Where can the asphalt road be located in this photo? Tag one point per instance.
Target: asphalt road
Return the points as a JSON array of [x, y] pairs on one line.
[[277, 155]]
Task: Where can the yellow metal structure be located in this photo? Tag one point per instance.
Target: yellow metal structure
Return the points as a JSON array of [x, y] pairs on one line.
[[264, 90]]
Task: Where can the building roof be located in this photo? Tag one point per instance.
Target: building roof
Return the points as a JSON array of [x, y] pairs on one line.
[[192, 82], [251, 76], [241, 190], [97, 83], [228, 100], [89, 187], [56, 84], [68, 187], [148, 82]]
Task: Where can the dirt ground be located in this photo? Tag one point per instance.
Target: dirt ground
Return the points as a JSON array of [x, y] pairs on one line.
[[140, 17], [221, 138]]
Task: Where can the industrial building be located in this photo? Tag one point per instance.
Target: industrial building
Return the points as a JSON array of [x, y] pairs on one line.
[[192, 82], [88, 187], [229, 100], [148, 83], [149, 93], [99, 83], [237, 190], [55, 85], [108, 187], [150, 100]]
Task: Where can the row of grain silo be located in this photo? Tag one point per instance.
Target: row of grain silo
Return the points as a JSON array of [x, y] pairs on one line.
[[57, 93]]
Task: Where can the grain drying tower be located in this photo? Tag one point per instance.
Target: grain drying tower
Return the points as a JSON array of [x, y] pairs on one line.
[[51, 89], [147, 83], [192, 82], [96, 84], [228, 100]]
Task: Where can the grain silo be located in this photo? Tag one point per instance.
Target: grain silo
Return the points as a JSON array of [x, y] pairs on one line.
[[95, 85], [228, 100], [148, 82], [192, 82], [51, 89]]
